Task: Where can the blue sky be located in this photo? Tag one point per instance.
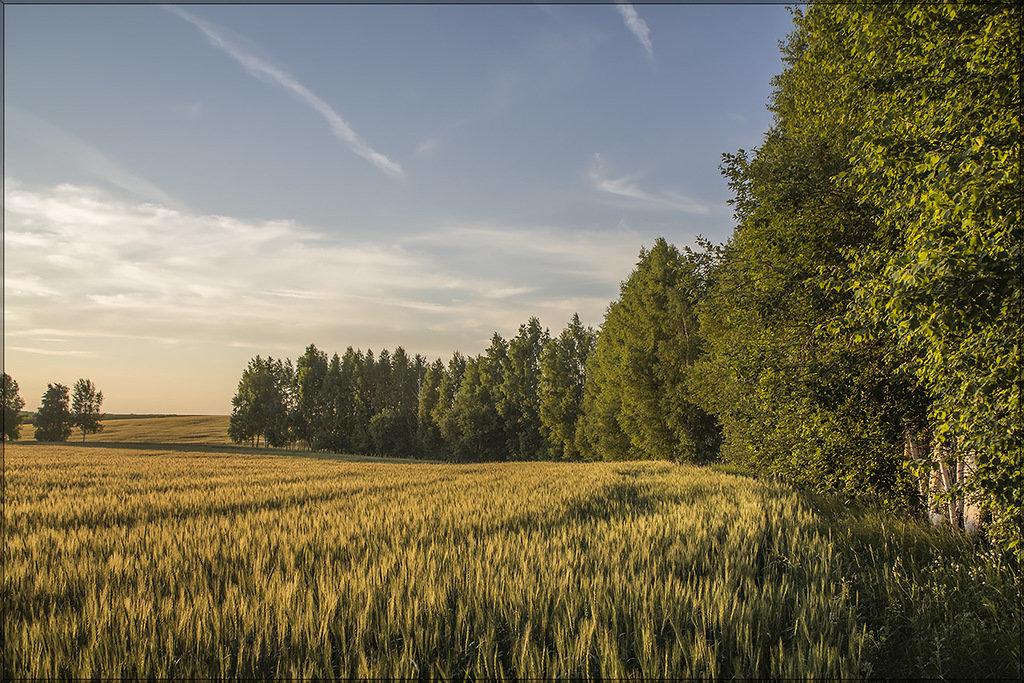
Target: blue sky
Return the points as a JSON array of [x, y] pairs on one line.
[[186, 187]]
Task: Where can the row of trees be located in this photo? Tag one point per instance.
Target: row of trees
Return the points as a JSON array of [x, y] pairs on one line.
[[857, 334], [520, 399], [60, 410], [620, 394]]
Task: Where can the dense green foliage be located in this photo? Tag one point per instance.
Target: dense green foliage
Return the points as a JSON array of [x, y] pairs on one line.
[[862, 327], [796, 397], [260, 408], [937, 89], [193, 565], [636, 403], [53, 420], [13, 403], [504, 404], [563, 376]]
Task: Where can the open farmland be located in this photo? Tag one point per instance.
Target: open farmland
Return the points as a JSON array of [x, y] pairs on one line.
[[180, 429], [181, 563]]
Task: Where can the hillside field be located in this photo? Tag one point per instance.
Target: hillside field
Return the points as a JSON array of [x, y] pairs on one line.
[[149, 562], [181, 429]]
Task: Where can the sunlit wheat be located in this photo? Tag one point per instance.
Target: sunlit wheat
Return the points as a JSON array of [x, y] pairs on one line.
[[187, 564]]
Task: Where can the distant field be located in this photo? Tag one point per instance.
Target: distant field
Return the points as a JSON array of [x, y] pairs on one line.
[[180, 429], [181, 563]]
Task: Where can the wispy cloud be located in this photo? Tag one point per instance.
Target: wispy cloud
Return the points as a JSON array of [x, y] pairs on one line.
[[635, 197], [151, 296], [593, 256], [264, 70], [72, 152], [86, 267], [637, 26], [49, 352]]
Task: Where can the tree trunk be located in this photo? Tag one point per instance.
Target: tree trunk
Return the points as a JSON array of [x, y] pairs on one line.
[[952, 471], [940, 484], [935, 512], [947, 485], [972, 514], [915, 449], [960, 498]]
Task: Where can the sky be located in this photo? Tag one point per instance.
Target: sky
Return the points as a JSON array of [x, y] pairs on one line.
[[186, 187]]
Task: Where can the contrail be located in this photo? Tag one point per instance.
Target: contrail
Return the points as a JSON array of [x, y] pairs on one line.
[[261, 69], [637, 26]]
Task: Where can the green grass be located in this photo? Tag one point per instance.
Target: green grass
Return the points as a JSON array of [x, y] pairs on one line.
[[189, 563], [934, 603]]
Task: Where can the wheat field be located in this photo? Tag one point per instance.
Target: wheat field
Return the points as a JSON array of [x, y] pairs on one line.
[[188, 564], [185, 429]]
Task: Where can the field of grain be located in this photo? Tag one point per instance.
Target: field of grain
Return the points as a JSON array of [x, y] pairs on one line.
[[181, 429], [176, 563]]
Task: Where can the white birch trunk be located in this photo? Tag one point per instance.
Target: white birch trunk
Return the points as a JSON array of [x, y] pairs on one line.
[[935, 511], [950, 474], [972, 510], [947, 484], [959, 500]]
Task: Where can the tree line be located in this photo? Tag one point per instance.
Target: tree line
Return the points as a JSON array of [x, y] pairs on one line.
[[518, 400], [618, 394], [858, 333], [60, 410]]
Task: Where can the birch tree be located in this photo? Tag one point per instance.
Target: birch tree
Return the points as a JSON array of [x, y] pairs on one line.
[[85, 407]]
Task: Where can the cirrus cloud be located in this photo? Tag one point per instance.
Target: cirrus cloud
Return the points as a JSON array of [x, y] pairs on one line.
[[81, 263], [264, 70], [628, 194], [637, 26]]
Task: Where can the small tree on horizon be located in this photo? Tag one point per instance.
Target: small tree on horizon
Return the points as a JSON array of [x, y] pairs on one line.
[[13, 403], [85, 407], [53, 421]]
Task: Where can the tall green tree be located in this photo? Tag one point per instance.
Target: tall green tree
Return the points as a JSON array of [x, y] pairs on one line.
[[85, 407], [474, 428], [366, 403], [53, 420], [310, 409], [334, 395], [428, 433], [263, 403], [382, 380], [563, 376], [13, 403], [637, 401], [447, 391], [519, 395], [797, 396], [406, 375]]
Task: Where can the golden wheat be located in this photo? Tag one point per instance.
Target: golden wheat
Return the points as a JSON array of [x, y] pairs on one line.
[[185, 429], [189, 564]]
